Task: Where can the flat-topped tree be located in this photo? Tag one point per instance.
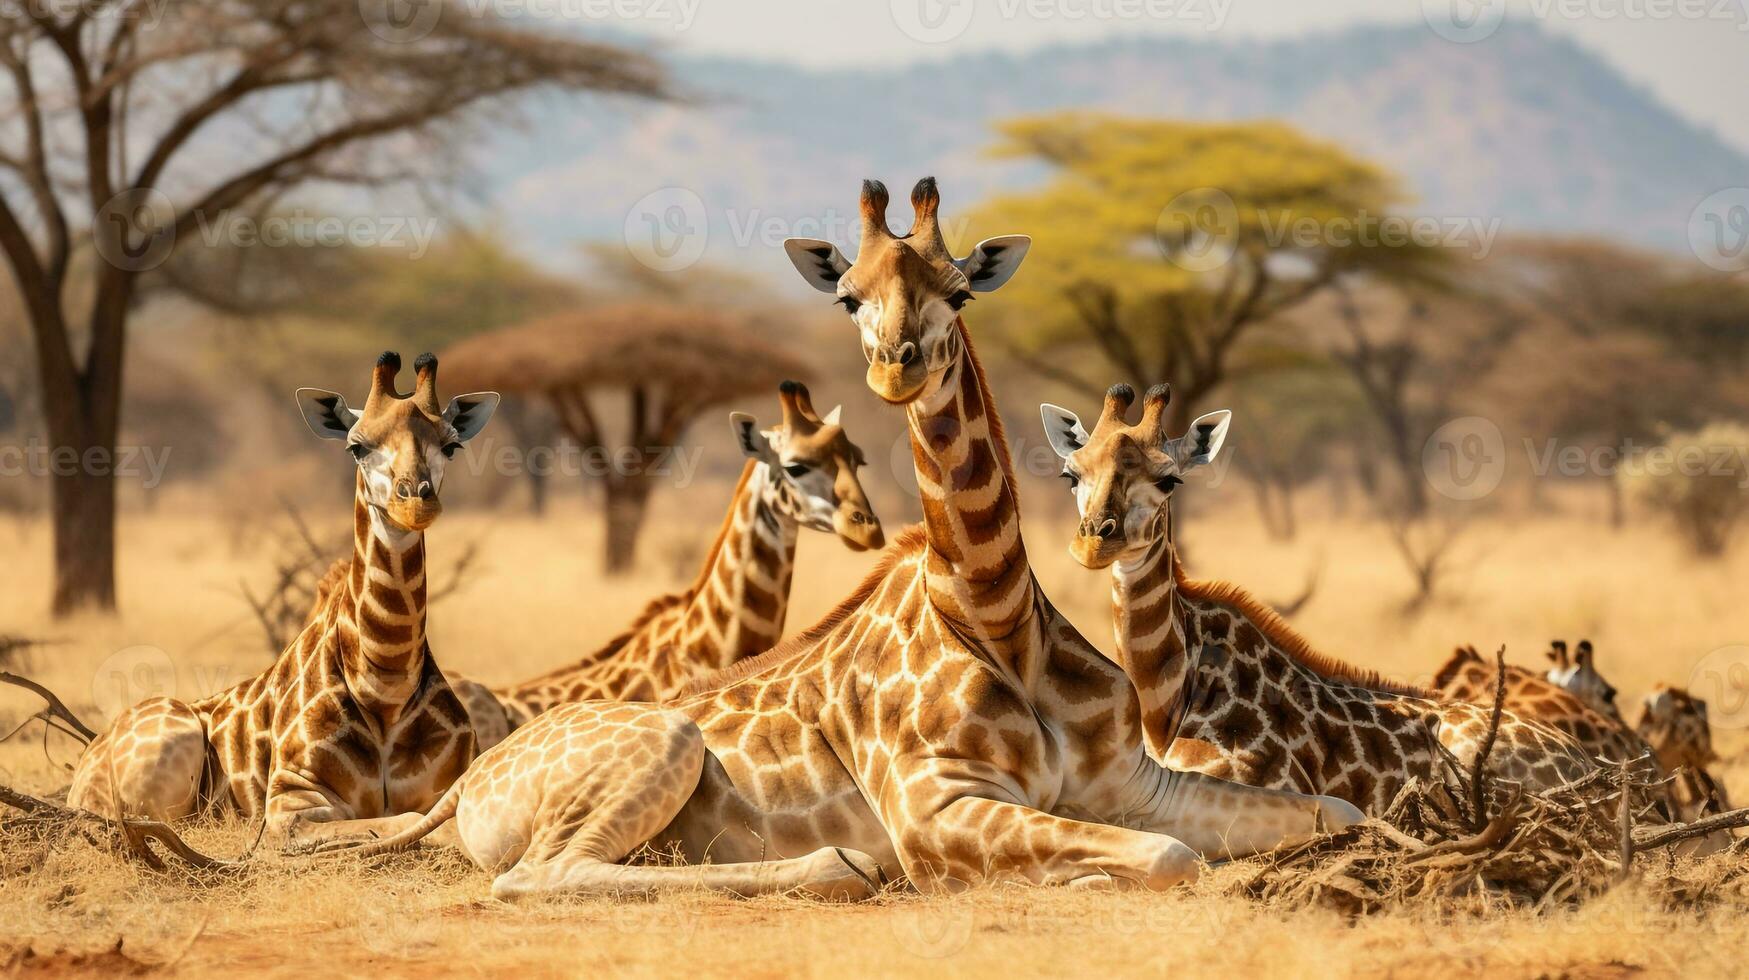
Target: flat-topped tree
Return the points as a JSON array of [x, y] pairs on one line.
[[670, 363]]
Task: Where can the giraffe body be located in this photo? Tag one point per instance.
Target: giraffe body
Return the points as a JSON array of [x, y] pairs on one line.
[[1674, 723], [801, 474], [945, 723], [1228, 689], [353, 724]]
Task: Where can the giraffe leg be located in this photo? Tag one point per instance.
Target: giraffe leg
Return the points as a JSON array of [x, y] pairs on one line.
[[975, 839], [1222, 819], [558, 806], [148, 764]]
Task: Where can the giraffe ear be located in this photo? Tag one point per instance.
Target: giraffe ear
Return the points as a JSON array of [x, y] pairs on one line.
[[467, 414], [753, 443], [819, 262], [1202, 443], [326, 413], [831, 418], [1063, 429], [993, 262]]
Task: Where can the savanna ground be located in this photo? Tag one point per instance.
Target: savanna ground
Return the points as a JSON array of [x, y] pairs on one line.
[[534, 598]]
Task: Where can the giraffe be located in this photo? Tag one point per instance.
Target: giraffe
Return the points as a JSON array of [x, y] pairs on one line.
[[1579, 677], [1674, 723], [353, 726], [944, 723], [1227, 688], [800, 474]]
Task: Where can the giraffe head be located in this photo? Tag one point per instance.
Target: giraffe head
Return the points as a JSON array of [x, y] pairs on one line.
[[400, 443], [812, 466], [1674, 723], [904, 293], [1123, 475], [1579, 676]]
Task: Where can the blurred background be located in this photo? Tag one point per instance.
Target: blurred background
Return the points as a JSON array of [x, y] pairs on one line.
[[1474, 277]]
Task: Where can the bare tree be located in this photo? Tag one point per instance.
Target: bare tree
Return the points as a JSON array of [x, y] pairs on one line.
[[125, 125]]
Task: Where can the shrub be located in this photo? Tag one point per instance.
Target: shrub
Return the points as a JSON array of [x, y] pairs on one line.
[[1699, 480]]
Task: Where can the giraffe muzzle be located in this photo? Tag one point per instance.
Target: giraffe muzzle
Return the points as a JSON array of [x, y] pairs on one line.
[[1098, 542]]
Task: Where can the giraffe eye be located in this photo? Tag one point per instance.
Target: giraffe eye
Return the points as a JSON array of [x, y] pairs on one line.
[[959, 299], [449, 450], [796, 469], [1167, 483], [1074, 481], [358, 450], [850, 303]]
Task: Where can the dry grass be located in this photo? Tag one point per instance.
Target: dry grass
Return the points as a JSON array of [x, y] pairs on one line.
[[537, 598]]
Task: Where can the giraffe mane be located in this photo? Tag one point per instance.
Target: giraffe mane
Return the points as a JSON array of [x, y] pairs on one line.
[[905, 543], [998, 434], [1285, 638]]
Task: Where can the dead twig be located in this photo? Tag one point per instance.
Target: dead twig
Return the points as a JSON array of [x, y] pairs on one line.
[[131, 836], [56, 707]]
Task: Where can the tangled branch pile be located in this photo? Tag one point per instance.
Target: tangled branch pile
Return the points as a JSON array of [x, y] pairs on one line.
[[1472, 836]]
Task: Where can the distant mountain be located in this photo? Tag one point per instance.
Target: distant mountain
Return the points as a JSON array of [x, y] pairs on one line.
[[1524, 126]]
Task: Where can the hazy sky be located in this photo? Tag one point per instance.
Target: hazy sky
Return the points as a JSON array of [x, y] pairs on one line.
[[1694, 54]]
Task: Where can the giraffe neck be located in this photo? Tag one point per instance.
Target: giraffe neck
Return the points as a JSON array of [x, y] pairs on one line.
[[977, 572], [743, 593], [379, 618], [1148, 619]]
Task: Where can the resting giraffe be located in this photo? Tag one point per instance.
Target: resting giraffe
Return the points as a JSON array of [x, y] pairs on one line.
[[353, 724], [1579, 677], [1674, 722], [800, 474], [1466, 676], [1227, 688], [943, 722]]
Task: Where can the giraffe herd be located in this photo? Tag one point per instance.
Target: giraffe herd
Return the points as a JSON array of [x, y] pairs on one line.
[[945, 724]]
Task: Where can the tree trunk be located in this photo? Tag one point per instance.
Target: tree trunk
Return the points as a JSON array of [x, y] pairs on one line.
[[628, 499], [84, 524]]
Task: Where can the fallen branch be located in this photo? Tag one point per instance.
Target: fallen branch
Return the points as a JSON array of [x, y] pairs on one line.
[[56, 707], [1648, 838], [131, 836]]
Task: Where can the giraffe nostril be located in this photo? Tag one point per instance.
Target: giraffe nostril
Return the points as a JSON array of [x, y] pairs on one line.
[[426, 492], [1108, 528], [907, 353]]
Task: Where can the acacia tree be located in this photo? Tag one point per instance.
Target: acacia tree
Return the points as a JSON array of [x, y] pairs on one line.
[[1170, 245], [125, 125], [670, 364]]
